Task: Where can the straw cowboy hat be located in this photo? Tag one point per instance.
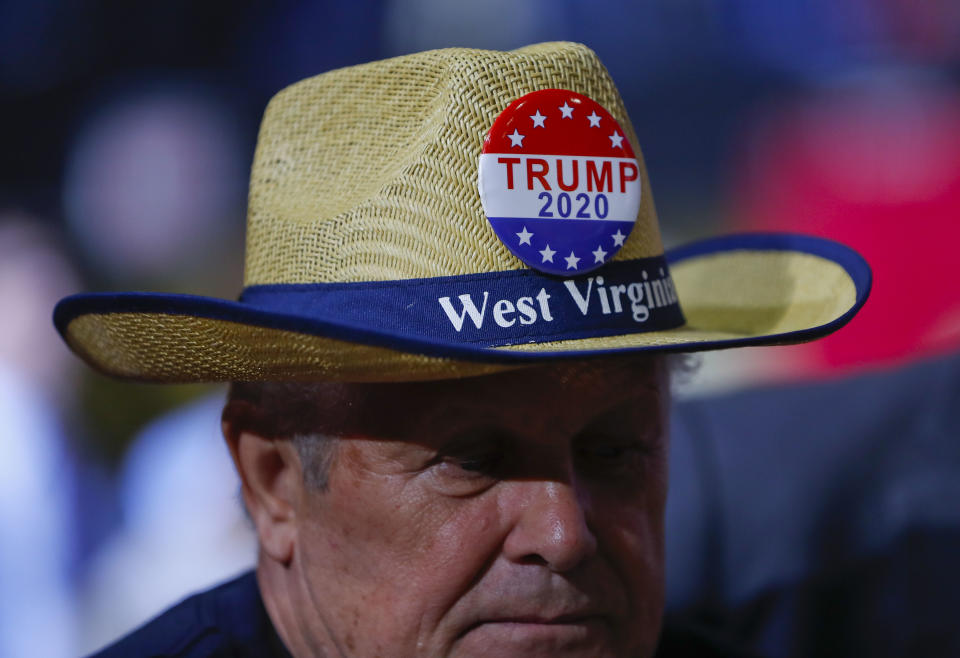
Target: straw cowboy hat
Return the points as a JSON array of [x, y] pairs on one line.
[[457, 212]]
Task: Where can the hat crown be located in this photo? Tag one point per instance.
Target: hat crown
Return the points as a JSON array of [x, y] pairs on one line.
[[370, 172]]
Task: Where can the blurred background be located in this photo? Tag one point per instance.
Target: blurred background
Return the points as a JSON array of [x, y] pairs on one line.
[[130, 130]]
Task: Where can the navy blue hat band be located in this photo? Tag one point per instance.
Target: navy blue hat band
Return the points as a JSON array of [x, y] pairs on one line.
[[492, 309]]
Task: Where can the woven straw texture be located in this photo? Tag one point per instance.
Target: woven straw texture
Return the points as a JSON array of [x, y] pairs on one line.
[[370, 172], [733, 295]]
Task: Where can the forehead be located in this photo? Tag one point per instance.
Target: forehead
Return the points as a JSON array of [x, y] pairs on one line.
[[565, 393]]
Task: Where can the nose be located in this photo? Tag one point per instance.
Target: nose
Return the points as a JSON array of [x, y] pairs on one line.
[[552, 526]]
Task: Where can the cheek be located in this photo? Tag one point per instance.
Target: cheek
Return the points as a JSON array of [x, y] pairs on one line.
[[630, 532], [634, 542], [395, 530], [395, 557], [637, 527]]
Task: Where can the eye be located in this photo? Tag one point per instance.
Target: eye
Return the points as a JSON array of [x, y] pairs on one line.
[[470, 463], [613, 450], [624, 442], [606, 456]]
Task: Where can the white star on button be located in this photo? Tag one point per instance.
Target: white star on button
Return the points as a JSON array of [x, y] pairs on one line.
[[538, 120], [615, 140], [599, 255], [594, 120], [566, 111], [516, 139], [547, 254], [572, 261], [524, 236], [618, 238]]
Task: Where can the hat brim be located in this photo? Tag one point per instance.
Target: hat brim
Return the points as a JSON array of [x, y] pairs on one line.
[[752, 289]]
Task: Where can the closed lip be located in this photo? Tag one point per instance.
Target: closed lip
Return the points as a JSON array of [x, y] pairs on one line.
[[538, 620]]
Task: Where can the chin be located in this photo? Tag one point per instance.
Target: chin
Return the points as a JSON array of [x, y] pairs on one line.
[[586, 638]]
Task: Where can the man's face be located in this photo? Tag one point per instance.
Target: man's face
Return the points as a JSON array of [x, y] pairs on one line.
[[519, 514]]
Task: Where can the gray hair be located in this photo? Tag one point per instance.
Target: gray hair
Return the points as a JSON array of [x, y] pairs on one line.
[[288, 411], [316, 452]]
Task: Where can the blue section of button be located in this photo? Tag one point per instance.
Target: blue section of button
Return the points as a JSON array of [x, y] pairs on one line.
[[566, 247]]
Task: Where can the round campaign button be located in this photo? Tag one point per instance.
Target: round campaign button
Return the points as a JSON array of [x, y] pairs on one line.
[[559, 182]]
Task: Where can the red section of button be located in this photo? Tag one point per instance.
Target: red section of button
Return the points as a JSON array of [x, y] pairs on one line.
[[557, 122]]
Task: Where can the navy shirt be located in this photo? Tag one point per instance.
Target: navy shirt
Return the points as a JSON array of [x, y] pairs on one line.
[[230, 621], [226, 621]]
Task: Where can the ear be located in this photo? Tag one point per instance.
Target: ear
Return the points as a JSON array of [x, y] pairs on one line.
[[272, 488]]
